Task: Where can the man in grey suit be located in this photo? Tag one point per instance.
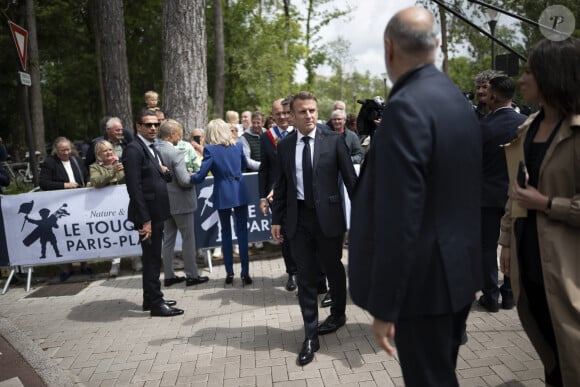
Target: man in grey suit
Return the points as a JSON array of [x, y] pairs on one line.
[[307, 199], [182, 203]]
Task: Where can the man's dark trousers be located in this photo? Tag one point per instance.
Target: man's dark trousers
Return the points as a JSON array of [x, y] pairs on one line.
[[428, 358], [490, 224], [150, 258], [312, 250]]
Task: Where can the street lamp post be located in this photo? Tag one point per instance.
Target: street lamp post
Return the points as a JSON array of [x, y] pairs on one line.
[[491, 15], [385, 78]]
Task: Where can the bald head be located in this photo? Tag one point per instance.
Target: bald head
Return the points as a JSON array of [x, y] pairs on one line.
[[410, 40]]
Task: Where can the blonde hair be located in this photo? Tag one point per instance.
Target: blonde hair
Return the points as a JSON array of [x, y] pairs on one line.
[[218, 133], [151, 94], [232, 117], [100, 145]]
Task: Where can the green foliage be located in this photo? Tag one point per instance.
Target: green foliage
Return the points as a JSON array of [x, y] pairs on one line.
[[349, 88], [143, 31], [318, 16], [68, 69], [262, 50], [264, 46]]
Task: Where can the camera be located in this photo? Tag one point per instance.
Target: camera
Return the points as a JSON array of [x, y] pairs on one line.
[[370, 111]]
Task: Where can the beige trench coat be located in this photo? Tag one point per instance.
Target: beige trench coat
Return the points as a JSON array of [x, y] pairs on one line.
[[559, 241]]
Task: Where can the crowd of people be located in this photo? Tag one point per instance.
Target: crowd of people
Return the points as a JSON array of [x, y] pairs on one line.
[[433, 200]]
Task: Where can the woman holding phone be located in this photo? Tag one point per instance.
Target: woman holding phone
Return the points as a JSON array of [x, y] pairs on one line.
[[541, 252]]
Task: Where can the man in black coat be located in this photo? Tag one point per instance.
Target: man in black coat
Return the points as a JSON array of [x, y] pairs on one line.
[[308, 201], [146, 179], [118, 136], [414, 251], [497, 128], [268, 173]]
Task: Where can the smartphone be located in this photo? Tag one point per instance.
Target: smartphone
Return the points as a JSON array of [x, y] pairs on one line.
[[197, 139], [522, 173]]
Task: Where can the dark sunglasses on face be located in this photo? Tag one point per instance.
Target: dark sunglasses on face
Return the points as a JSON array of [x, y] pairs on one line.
[[150, 124]]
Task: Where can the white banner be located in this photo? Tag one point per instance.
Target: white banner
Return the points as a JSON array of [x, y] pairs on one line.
[[53, 227], [73, 225]]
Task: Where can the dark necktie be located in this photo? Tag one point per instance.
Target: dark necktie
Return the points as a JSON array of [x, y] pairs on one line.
[[153, 148], [283, 133], [307, 173]]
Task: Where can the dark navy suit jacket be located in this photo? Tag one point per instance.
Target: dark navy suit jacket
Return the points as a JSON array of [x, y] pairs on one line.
[[226, 164], [497, 129], [331, 159], [415, 222], [268, 167], [146, 185]]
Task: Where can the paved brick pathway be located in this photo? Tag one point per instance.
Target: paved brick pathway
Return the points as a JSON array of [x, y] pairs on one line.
[[238, 336]]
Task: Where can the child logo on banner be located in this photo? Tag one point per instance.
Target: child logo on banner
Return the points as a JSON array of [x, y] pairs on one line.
[[45, 224]]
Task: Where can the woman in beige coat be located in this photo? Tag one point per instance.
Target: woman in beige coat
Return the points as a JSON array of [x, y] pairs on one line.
[[541, 252]]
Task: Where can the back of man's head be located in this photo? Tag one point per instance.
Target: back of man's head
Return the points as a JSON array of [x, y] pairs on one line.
[[414, 31], [503, 87]]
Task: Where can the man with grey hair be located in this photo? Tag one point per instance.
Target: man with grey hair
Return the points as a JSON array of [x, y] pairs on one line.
[[338, 122], [414, 251], [482, 91], [182, 204], [114, 133]]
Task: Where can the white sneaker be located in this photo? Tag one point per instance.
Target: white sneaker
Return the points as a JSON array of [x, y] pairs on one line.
[[114, 269], [136, 263]]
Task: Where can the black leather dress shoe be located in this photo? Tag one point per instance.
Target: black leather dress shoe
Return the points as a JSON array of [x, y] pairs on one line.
[[326, 301], [489, 305], [291, 284], [147, 307], [464, 338], [507, 303], [306, 354], [190, 281], [172, 281], [164, 310], [331, 324]]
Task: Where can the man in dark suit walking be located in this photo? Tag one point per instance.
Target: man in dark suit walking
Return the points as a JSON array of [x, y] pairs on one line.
[[269, 171], [497, 128], [414, 251], [308, 201], [146, 179]]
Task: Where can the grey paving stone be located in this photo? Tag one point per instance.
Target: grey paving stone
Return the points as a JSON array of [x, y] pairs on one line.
[[239, 336]]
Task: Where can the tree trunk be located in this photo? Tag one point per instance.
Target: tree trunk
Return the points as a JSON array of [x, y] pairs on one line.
[[114, 54], [220, 60], [444, 49], [184, 63], [35, 94], [94, 18], [308, 63]]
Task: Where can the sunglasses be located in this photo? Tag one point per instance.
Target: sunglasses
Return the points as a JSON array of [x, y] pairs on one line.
[[149, 124]]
